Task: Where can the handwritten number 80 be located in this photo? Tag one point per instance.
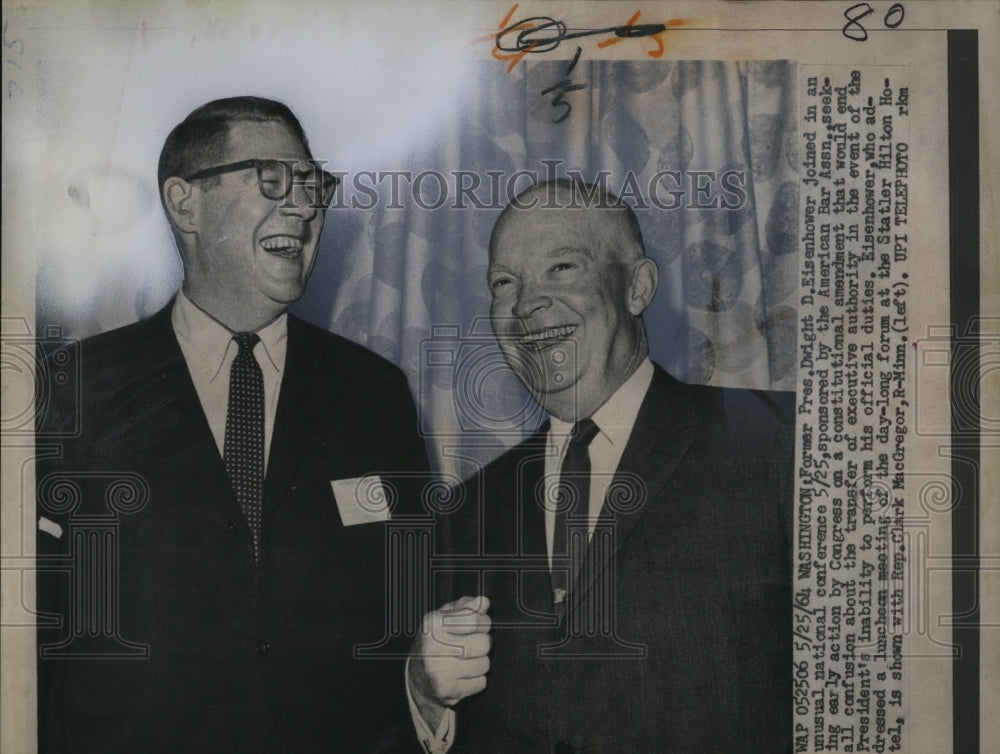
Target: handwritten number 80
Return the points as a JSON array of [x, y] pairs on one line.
[[860, 11]]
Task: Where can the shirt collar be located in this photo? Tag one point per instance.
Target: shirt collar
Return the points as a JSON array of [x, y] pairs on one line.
[[616, 416], [208, 340]]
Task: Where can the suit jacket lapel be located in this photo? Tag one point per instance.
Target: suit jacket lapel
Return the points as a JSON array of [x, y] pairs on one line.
[[295, 421], [179, 393], [535, 584], [184, 418], [663, 432]]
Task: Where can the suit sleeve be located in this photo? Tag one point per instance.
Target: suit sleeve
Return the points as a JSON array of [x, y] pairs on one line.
[[57, 454]]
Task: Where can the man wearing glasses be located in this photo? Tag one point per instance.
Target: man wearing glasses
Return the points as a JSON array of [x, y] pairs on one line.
[[259, 457]]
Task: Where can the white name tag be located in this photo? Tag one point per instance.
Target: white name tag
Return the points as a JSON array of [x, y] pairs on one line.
[[362, 500], [49, 526]]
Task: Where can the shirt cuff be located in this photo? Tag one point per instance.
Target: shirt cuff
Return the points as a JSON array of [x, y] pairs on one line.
[[431, 743]]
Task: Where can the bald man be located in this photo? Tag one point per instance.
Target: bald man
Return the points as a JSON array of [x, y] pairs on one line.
[[649, 606]]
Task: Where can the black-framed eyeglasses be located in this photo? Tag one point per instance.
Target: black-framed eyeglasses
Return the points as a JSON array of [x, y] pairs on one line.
[[276, 178]]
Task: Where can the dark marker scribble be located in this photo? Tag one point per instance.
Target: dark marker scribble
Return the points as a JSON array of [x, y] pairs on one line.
[[564, 87], [543, 34]]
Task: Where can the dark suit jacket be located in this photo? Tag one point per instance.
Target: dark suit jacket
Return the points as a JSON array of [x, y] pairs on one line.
[[686, 588], [185, 644]]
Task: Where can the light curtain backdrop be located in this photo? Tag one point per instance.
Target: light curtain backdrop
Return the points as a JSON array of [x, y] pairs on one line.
[[410, 282]]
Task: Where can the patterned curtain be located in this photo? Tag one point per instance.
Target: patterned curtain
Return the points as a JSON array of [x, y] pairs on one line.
[[407, 277]]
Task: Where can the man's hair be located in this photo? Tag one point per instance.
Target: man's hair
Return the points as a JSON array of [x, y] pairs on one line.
[[563, 194], [200, 140]]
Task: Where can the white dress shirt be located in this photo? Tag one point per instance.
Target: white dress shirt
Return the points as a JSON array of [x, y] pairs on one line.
[[615, 420], [432, 743], [209, 350]]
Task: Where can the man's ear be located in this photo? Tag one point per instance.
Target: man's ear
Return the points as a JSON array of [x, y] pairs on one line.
[[645, 278], [178, 198]]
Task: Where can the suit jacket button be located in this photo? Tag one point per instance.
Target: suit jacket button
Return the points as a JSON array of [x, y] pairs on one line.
[[230, 524], [563, 748], [263, 648]]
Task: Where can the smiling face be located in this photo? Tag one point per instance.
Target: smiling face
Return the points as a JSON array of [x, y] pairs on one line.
[[250, 256], [567, 304]]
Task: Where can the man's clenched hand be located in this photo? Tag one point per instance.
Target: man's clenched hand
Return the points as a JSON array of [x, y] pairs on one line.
[[449, 659]]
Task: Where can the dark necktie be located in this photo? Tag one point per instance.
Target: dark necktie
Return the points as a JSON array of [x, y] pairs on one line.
[[573, 494], [244, 447]]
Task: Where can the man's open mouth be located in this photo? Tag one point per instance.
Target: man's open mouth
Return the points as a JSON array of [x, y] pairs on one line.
[[547, 337], [289, 247]]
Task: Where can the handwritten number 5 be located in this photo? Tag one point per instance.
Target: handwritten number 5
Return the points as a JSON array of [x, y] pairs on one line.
[[10, 44], [564, 87]]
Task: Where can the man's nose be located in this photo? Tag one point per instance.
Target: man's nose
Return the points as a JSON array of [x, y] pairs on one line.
[[530, 298], [298, 201]]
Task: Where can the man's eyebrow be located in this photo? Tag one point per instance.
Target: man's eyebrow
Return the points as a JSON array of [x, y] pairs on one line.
[[493, 269], [294, 163], [559, 251], [563, 251]]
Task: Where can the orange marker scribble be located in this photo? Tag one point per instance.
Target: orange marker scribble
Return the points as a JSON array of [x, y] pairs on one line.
[[658, 52], [615, 40], [513, 58], [516, 57], [506, 19]]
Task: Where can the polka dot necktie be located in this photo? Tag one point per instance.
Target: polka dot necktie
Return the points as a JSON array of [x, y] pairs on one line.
[[244, 445], [573, 498]]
